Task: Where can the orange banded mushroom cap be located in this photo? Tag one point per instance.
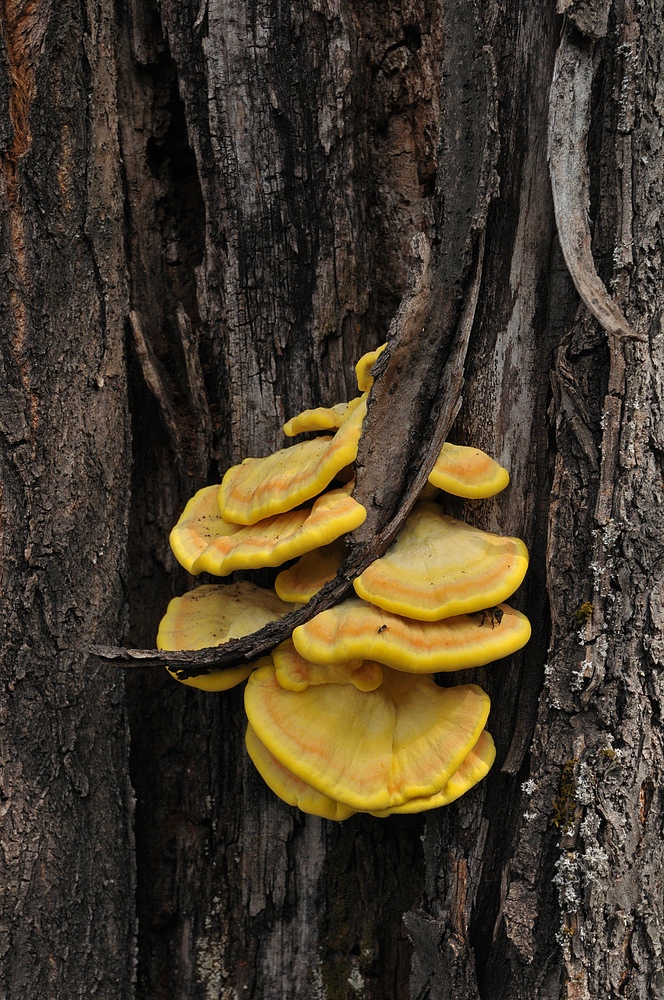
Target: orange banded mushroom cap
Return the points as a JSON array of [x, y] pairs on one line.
[[301, 581], [439, 567], [198, 524], [262, 487], [321, 418], [476, 766], [203, 541], [370, 750], [290, 788], [355, 628], [295, 673], [276, 539], [210, 616], [468, 472]]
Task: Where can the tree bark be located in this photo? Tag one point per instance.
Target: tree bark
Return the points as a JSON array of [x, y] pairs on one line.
[[67, 924], [208, 212]]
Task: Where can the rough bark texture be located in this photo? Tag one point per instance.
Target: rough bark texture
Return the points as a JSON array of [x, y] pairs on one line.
[[67, 926], [231, 190]]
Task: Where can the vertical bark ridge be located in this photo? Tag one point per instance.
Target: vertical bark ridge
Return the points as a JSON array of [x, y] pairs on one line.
[[66, 917]]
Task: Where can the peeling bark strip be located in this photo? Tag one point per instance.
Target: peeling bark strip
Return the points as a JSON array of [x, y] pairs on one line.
[[569, 122]]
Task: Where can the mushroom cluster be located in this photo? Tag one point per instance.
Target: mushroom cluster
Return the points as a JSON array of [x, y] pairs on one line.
[[346, 716]]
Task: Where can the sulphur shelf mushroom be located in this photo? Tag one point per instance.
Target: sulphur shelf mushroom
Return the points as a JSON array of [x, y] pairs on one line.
[[203, 542], [439, 566], [370, 750], [298, 793], [295, 673], [210, 616], [356, 629], [260, 487], [345, 716], [468, 472]]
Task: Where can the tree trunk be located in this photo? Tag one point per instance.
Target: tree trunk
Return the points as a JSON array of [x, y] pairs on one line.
[[231, 190]]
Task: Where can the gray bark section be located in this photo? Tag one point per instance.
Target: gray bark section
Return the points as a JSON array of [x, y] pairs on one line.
[[66, 854]]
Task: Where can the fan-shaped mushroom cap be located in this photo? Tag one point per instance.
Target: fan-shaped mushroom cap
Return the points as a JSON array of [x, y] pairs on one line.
[[301, 581], [295, 673], [364, 366], [210, 616], [476, 766], [203, 541], [262, 487], [322, 418], [468, 472], [439, 567], [371, 750], [356, 629], [290, 788]]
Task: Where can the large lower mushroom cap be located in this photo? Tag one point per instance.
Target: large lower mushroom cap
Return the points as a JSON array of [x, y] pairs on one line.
[[468, 472], [357, 629], [210, 616], [203, 541], [369, 750], [476, 766], [261, 487], [296, 792], [439, 567]]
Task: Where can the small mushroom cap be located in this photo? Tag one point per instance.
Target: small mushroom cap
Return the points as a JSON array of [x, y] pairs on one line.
[[370, 750], [476, 766], [364, 366], [203, 541], [210, 616], [468, 472], [262, 487], [439, 567], [322, 418], [355, 628], [295, 673], [290, 788], [301, 581]]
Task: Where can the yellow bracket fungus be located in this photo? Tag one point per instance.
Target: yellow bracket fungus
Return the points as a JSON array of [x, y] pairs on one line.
[[364, 366], [476, 766], [345, 715], [355, 628], [322, 418], [301, 581], [261, 487], [370, 750], [290, 788], [214, 614], [203, 542], [468, 472], [295, 673], [439, 567], [296, 792]]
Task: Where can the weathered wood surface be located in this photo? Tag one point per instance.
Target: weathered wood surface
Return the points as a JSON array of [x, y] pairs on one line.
[[233, 189], [67, 923]]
